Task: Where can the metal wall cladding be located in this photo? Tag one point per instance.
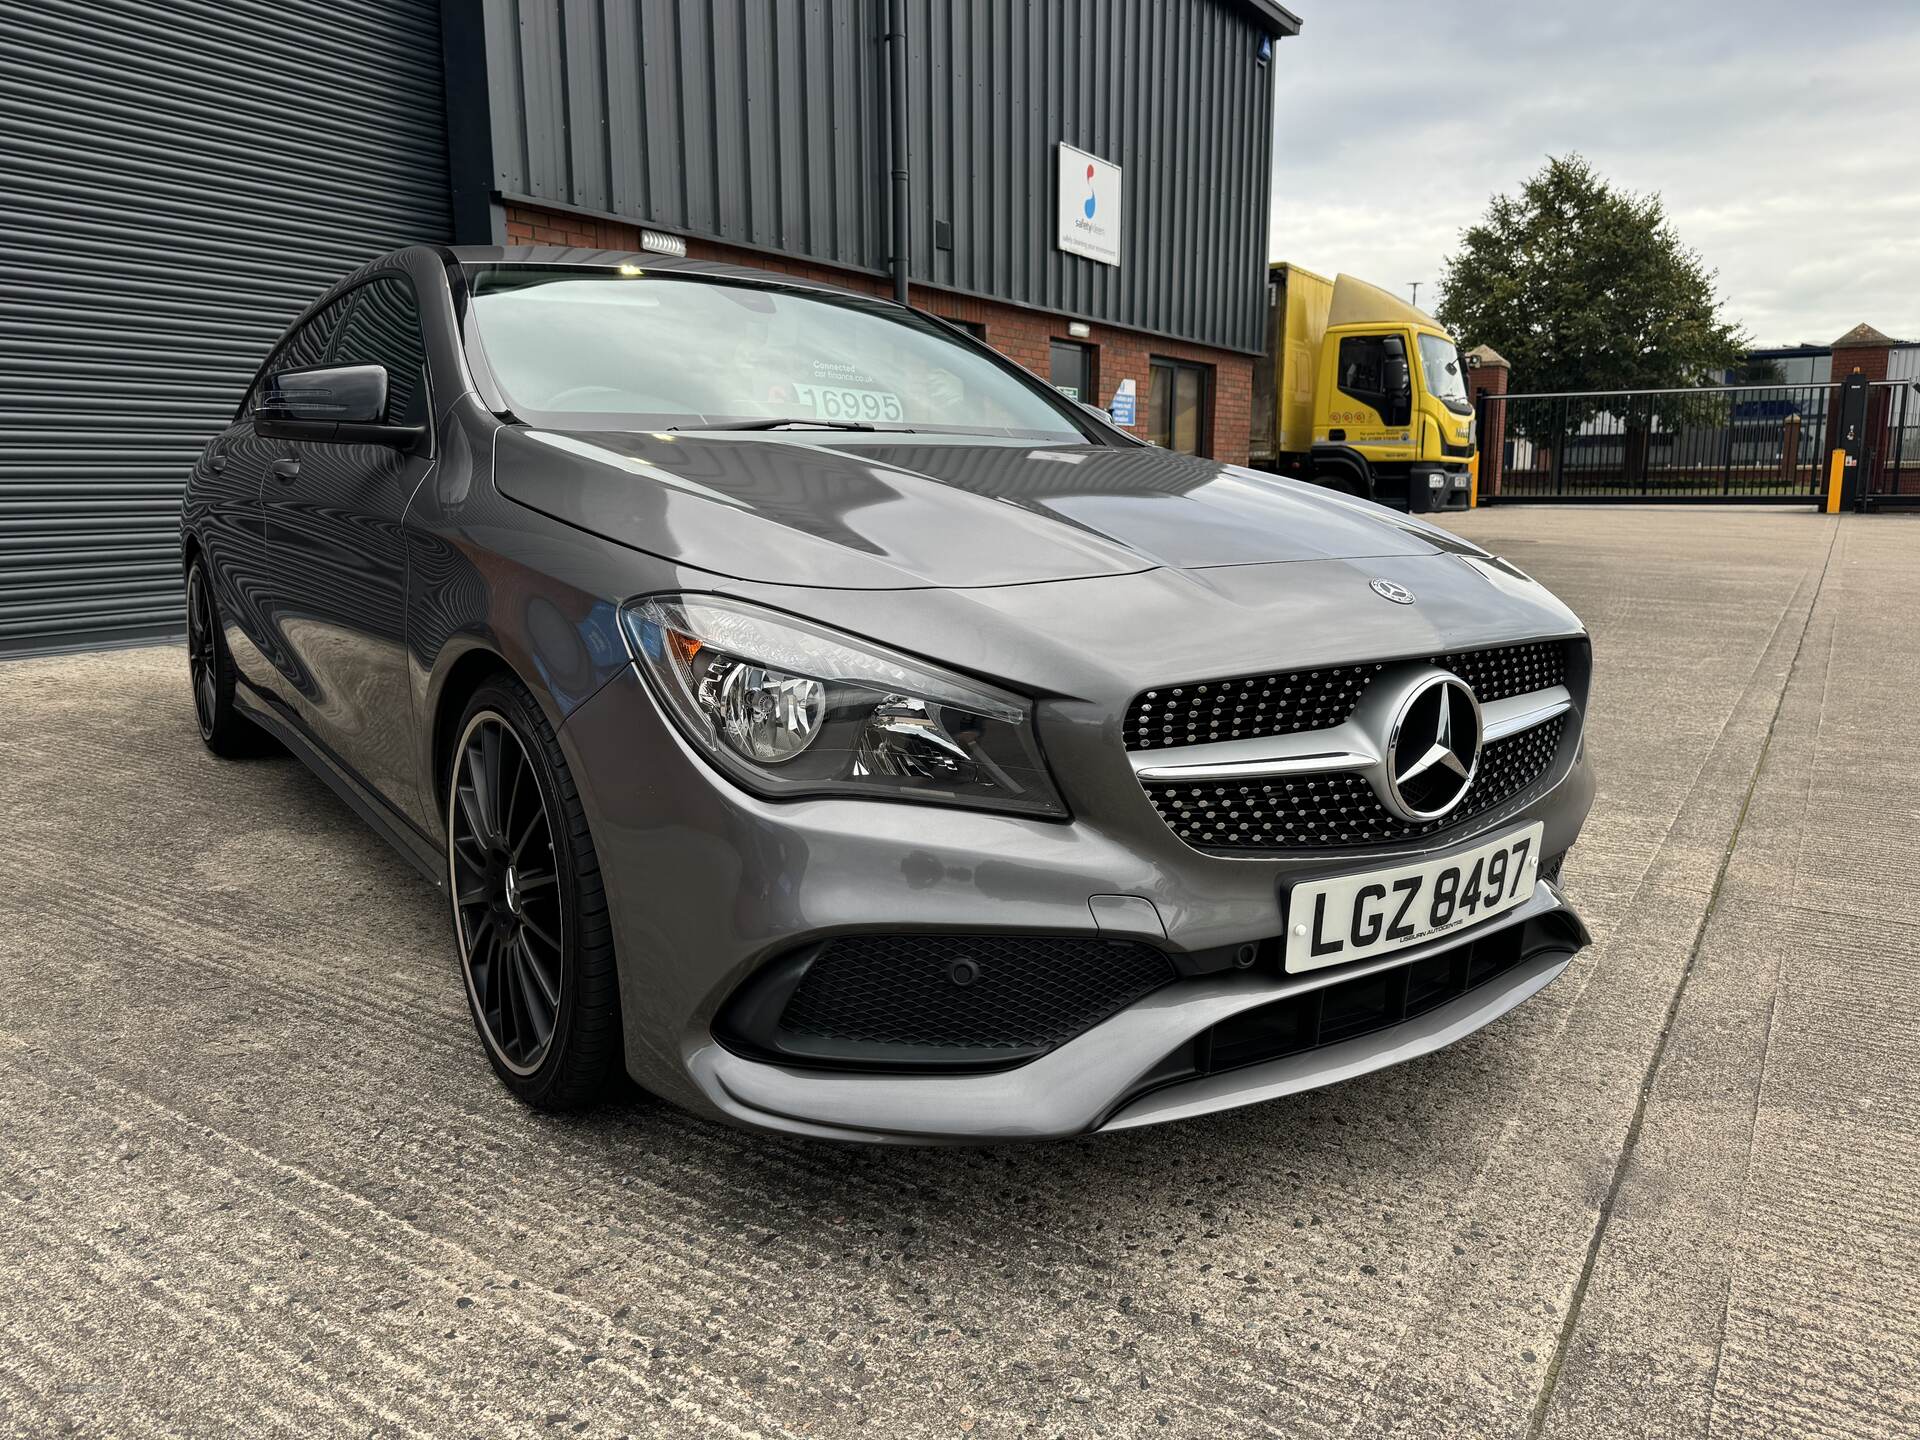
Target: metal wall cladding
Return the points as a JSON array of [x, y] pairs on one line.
[[764, 123], [179, 180]]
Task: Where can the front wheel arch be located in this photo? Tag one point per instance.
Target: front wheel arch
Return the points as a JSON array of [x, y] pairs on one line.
[[462, 681]]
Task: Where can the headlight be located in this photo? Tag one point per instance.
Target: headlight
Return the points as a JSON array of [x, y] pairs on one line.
[[789, 708]]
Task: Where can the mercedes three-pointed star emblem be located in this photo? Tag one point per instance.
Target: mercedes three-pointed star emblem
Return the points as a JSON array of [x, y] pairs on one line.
[[1433, 748]]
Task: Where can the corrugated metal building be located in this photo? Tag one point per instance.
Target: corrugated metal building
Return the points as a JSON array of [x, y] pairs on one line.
[[1087, 186], [758, 131], [176, 183]]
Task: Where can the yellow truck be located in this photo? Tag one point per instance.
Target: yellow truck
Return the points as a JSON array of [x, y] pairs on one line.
[[1360, 391]]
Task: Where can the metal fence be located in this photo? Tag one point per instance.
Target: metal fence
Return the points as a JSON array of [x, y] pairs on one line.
[[1739, 443], [1743, 443]]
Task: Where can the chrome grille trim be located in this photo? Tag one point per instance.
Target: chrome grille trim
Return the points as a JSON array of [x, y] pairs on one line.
[[1345, 746], [1338, 809]]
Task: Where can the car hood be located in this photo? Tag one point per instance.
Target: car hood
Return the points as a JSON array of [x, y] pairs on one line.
[[875, 513]]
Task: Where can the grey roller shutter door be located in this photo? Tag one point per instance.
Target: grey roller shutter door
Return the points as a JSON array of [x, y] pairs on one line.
[[177, 179]]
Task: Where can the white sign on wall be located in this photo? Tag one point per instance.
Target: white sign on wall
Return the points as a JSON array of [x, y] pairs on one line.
[[1089, 206]]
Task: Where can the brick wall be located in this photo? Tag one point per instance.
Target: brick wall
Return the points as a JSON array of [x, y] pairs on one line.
[[1021, 335]]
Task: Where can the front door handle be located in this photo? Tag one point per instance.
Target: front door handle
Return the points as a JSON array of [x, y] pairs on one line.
[[286, 471]]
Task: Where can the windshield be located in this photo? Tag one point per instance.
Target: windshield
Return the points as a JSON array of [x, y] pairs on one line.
[[656, 350], [1446, 376]]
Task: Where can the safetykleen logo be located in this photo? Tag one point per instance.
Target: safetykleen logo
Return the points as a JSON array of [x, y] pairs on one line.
[[1090, 215]]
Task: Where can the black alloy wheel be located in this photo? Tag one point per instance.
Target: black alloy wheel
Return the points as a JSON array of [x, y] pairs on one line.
[[506, 893], [225, 730], [202, 660], [529, 913]]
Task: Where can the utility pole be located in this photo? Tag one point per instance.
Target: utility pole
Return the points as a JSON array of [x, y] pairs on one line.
[[1415, 286]]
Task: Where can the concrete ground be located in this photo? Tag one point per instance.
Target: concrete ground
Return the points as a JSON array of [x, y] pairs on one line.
[[255, 1177]]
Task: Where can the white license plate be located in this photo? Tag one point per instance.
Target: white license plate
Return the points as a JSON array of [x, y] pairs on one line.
[[1375, 912]]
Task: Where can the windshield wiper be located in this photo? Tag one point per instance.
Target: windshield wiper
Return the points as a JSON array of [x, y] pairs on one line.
[[781, 423]]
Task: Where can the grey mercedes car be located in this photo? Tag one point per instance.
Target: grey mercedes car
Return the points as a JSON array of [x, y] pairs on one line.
[[811, 713]]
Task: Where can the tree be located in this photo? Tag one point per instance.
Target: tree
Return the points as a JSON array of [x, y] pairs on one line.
[[1585, 287]]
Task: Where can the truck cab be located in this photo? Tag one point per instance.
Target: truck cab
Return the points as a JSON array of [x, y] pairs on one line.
[[1364, 393]]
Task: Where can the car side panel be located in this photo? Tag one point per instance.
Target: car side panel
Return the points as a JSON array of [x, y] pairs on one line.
[[338, 557], [484, 575], [222, 514]]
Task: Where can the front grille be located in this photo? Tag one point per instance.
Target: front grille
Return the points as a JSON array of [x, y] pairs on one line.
[[1310, 812], [1287, 702], [1021, 993]]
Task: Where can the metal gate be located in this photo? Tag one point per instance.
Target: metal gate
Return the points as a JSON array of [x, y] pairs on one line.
[[1746, 443], [176, 181], [1892, 456]]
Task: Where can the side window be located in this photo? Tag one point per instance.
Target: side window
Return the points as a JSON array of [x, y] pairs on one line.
[[383, 328], [306, 346], [1365, 361]]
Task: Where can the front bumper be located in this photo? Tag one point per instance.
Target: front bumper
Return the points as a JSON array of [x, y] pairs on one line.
[[1438, 485], [707, 884]]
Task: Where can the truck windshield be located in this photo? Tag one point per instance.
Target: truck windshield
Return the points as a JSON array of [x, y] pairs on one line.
[[1446, 376], [583, 348]]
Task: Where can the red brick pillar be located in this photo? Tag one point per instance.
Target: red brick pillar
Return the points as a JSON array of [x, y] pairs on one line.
[[1865, 350], [1489, 377], [1862, 348]]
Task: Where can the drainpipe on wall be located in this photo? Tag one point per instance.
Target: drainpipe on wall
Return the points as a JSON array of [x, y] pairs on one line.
[[897, 104]]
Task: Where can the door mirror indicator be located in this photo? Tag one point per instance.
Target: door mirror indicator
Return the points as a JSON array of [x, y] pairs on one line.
[[342, 403]]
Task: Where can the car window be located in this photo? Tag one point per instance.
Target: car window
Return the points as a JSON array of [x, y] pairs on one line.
[[383, 328], [662, 350]]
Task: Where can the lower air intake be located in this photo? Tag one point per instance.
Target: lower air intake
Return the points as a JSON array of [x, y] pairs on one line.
[[990, 996]]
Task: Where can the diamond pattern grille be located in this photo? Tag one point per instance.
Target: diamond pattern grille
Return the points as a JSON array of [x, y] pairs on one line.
[[1286, 702], [1339, 808], [1029, 990]]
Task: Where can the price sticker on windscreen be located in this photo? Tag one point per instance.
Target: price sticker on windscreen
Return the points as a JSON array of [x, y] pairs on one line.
[[848, 402]]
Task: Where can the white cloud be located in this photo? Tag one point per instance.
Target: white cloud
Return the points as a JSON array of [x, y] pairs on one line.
[[1784, 139]]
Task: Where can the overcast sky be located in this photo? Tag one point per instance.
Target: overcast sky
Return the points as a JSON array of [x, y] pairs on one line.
[[1785, 139]]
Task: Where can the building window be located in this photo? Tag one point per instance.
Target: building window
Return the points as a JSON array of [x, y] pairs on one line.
[[1177, 410], [1073, 371]]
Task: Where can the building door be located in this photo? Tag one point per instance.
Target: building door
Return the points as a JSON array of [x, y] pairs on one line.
[[1177, 408], [201, 173], [1072, 372]]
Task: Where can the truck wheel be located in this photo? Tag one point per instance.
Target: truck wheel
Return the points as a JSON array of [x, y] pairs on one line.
[[1344, 481]]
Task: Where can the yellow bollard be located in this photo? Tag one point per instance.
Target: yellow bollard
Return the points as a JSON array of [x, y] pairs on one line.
[[1836, 480], [1473, 482]]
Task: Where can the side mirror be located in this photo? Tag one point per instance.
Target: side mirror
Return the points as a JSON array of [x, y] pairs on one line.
[[1399, 378], [343, 403]]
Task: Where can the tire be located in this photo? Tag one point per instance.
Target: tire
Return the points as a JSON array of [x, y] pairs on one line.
[[529, 911], [1343, 480], [224, 730]]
